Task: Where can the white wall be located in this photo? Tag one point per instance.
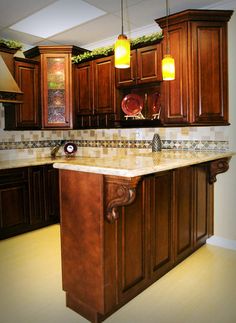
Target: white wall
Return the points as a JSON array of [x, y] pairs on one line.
[[225, 187]]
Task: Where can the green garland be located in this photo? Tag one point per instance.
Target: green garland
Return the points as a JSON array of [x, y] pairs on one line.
[[106, 51], [9, 43]]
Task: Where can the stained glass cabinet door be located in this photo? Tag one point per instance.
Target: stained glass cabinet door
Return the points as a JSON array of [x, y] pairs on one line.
[[57, 88]]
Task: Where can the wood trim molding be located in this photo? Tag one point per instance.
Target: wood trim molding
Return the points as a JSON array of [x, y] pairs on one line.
[[120, 191], [217, 167]]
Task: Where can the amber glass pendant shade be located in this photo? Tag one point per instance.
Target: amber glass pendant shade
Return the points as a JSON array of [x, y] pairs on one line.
[[122, 52], [168, 68]]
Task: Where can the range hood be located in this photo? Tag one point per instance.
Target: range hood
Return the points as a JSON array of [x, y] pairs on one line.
[[8, 87]]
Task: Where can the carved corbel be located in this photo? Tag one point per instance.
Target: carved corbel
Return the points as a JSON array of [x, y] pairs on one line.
[[120, 191], [217, 167]]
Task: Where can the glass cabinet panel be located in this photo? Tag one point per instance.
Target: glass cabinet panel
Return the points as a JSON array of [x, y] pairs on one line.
[[56, 89]]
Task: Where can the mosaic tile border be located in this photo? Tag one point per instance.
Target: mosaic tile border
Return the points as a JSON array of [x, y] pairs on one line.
[[144, 144]]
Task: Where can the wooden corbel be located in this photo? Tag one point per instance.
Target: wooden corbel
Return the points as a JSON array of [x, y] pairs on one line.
[[217, 167], [120, 191]]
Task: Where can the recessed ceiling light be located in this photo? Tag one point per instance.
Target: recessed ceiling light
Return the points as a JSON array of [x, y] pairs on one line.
[[58, 17]]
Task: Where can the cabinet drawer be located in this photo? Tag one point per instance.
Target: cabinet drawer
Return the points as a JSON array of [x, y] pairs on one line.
[[14, 175]]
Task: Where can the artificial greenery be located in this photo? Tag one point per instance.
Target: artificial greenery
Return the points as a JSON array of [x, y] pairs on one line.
[[105, 51], [10, 43]]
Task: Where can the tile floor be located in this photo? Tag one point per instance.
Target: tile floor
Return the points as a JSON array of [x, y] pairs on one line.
[[200, 289]]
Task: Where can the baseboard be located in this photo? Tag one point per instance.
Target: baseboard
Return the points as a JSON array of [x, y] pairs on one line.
[[222, 242]]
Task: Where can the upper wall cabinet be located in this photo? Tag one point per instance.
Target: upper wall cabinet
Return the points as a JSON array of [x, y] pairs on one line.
[[26, 115], [145, 67], [56, 84], [198, 43], [94, 93]]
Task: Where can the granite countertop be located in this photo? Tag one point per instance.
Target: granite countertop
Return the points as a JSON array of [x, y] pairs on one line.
[[140, 163], [121, 164]]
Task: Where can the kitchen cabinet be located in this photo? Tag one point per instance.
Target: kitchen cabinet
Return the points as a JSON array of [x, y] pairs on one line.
[[126, 232], [198, 43], [94, 91], [14, 202], [145, 67], [26, 115], [29, 199], [56, 84]]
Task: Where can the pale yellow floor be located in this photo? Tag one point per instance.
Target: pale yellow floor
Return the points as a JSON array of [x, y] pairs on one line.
[[201, 289]]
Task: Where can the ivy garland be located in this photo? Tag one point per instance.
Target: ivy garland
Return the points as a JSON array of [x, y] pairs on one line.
[[108, 50], [10, 43]]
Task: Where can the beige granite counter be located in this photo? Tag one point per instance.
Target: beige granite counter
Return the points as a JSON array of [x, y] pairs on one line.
[[140, 163], [122, 164]]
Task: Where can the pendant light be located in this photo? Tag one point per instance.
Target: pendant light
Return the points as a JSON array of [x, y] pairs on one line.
[[168, 63], [122, 47]]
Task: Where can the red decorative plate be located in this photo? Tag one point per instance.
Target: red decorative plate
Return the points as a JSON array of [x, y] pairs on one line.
[[132, 104]]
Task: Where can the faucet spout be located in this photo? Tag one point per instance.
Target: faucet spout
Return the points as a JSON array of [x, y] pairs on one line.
[[56, 148]]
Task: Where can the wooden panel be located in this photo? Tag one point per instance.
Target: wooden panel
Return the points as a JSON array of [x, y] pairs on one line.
[[132, 246], [149, 64], [127, 76], [161, 224], [210, 72], [82, 234], [176, 91], [37, 202], [104, 85], [27, 77], [51, 193], [183, 234], [84, 88], [202, 203]]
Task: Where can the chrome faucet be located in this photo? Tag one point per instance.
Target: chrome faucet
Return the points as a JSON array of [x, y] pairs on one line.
[[56, 148], [156, 143]]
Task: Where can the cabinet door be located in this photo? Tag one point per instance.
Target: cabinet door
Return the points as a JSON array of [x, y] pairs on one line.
[[14, 207], [127, 76], [104, 85], [175, 92], [209, 67], [149, 64], [203, 205], [36, 193], [184, 207], [57, 91], [51, 193], [132, 245], [27, 77], [161, 224], [84, 89]]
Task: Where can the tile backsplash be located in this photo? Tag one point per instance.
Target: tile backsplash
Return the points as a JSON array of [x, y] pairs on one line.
[[31, 144]]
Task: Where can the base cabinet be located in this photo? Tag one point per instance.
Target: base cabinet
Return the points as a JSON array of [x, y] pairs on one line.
[[29, 199], [132, 231]]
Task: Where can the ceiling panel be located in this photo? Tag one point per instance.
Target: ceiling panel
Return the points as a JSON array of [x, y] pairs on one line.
[[112, 6], [22, 37], [101, 28], [12, 11]]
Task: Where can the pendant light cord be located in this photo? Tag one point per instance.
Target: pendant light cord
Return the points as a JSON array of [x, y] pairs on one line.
[[167, 28], [122, 18]]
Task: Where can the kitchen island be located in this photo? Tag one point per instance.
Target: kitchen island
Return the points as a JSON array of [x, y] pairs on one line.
[[127, 220]]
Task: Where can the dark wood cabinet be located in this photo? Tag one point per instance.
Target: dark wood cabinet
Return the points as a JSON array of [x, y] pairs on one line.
[[29, 199], [26, 115], [198, 43], [184, 212], [56, 84], [14, 202], [126, 233], [95, 94], [145, 67]]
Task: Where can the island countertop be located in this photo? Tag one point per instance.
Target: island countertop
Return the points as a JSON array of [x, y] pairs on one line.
[[139, 164]]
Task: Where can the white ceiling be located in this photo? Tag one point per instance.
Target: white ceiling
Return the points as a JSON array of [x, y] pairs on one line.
[[139, 18]]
